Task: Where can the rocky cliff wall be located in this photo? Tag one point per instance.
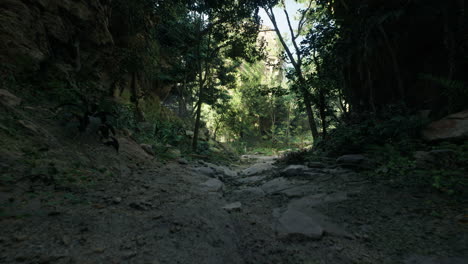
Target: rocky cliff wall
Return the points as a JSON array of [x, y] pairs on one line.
[[69, 34]]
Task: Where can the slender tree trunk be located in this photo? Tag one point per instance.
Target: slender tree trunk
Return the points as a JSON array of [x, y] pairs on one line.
[[308, 106], [135, 98], [297, 63], [310, 116], [322, 110], [196, 129], [201, 85], [197, 126], [322, 100]]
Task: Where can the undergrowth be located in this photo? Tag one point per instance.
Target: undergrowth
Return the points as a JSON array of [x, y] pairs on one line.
[[399, 157]]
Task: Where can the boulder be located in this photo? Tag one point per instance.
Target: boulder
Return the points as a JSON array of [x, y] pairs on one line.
[[7, 98], [230, 173], [207, 171], [183, 161], [212, 185], [452, 127]]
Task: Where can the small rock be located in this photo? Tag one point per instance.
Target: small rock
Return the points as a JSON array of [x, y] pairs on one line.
[[230, 173], [128, 254], [233, 207], [293, 170], [183, 161], [148, 149], [353, 160], [157, 216], [99, 250], [293, 223], [66, 240], [276, 185], [257, 169], [207, 171], [20, 237], [213, 185], [315, 164], [117, 200]]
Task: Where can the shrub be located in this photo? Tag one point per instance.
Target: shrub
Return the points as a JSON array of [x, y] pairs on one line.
[[392, 126]]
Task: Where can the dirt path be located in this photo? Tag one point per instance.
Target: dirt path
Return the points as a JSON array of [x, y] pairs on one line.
[[204, 213]]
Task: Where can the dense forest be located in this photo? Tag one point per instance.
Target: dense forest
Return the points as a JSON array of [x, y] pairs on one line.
[[99, 95]]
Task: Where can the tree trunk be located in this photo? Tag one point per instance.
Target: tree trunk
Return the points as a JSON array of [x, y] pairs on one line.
[[297, 63], [308, 105], [135, 98], [310, 116], [196, 130], [322, 109]]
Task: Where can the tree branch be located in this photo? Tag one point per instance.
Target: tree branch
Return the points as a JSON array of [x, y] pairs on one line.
[[302, 20], [293, 36], [271, 16]]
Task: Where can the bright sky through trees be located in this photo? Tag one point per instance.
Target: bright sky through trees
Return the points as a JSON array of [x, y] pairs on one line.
[[292, 6]]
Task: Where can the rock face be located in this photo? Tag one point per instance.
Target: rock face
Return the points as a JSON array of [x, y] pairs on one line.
[[70, 32], [451, 127]]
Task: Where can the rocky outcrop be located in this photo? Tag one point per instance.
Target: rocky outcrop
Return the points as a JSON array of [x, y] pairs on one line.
[[69, 34], [452, 127]]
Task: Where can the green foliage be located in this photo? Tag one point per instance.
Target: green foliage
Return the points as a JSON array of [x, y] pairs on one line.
[[160, 128], [390, 127], [455, 91], [446, 173]]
